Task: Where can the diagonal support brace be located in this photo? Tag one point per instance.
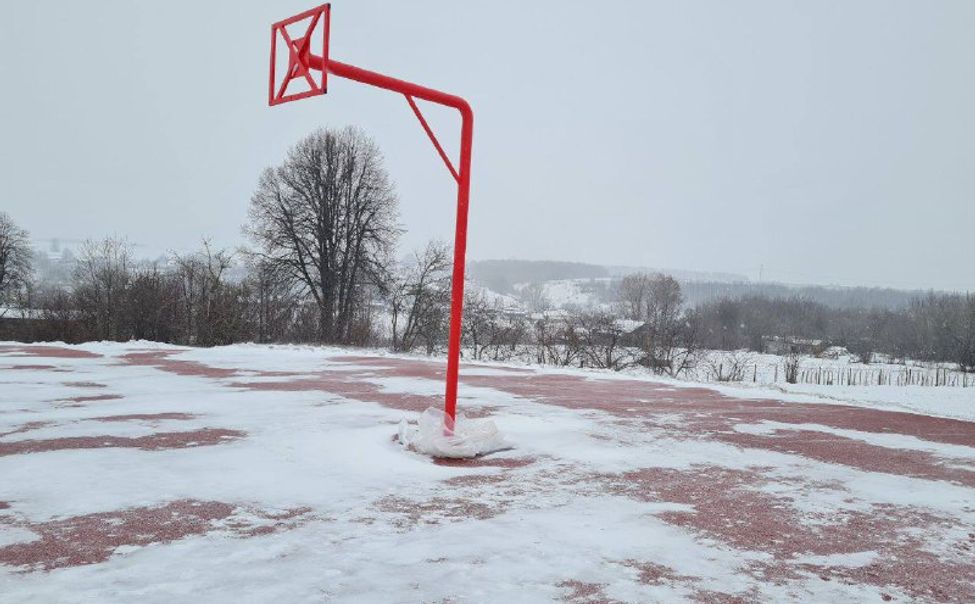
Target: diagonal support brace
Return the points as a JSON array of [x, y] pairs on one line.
[[433, 137]]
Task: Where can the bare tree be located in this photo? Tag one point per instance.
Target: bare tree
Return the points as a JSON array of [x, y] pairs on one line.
[[326, 217], [60, 321], [729, 366], [633, 293], [602, 340], [151, 305], [15, 259], [273, 300], [490, 331], [477, 322], [964, 334], [862, 348], [419, 299], [668, 336], [533, 296], [210, 310], [543, 333], [558, 339], [515, 334], [101, 280]]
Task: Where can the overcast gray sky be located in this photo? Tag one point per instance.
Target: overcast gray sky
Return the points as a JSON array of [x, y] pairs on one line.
[[831, 142]]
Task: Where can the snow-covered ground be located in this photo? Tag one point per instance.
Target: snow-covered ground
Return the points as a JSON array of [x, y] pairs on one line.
[[251, 473]]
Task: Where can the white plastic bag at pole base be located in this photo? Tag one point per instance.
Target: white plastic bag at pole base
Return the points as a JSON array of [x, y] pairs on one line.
[[470, 438]]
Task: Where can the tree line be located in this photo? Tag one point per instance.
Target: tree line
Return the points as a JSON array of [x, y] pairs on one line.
[[321, 267], [933, 327]]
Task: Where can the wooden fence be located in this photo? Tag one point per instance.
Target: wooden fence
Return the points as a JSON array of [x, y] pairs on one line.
[[908, 376], [829, 375]]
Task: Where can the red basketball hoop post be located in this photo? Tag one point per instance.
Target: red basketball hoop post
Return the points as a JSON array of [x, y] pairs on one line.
[[301, 61]]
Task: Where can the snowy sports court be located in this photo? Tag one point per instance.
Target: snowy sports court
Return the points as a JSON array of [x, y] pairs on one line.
[[151, 473]]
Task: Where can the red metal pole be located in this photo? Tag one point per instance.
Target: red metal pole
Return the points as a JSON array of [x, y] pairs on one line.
[[460, 254], [410, 89]]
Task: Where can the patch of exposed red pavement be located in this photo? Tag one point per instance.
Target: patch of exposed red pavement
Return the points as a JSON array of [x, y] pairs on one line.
[[160, 359], [711, 411], [409, 513], [34, 368], [651, 573], [832, 448], [91, 539], [354, 385], [90, 399], [478, 481], [85, 384], [150, 417], [728, 507], [350, 385], [51, 352], [478, 412], [364, 360], [389, 367], [153, 442], [344, 383], [273, 373], [706, 596], [286, 519], [485, 462], [4, 505], [580, 592], [26, 428]]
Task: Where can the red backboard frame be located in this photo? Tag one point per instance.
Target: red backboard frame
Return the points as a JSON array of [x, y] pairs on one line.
[[299, 49]]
